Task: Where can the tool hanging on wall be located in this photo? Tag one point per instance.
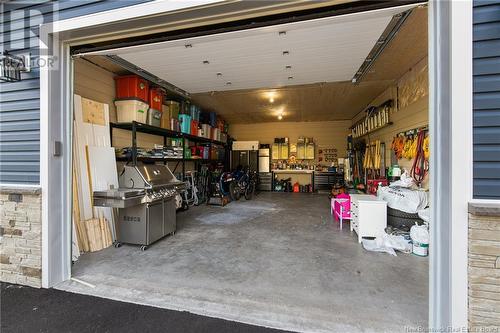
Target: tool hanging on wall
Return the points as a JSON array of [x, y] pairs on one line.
[[373, 158], [420, 165]]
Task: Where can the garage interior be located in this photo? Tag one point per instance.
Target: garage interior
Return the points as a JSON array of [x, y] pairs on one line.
[[278, 256]]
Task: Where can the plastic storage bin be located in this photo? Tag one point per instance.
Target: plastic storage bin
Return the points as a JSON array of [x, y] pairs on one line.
[[212, 119], [185, 123], [172, 107], [194, 127], [156, 98], [174, 125], [132, 86], [154, 117], [131, 110], [205, 129], [195, 112], [165, 121]]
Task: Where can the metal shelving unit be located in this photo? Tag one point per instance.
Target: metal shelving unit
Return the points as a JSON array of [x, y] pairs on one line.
[[136, 127]]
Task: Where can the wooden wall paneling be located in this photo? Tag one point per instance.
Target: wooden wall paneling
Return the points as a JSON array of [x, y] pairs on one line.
[[412, 115]]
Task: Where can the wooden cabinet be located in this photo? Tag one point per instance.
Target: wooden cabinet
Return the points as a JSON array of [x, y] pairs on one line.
[[368, 215]]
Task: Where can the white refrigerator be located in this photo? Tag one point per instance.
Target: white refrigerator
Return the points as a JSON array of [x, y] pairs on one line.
[[264, 162]]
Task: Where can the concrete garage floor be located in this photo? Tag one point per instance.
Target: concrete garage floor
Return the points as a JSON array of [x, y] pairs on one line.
[[276, 261]]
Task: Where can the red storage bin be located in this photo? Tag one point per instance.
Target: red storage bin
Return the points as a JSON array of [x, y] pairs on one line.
[[194, 127], [156, 99], [132, 86]]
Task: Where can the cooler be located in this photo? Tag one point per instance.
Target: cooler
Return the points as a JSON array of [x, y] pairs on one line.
[[132, 86]]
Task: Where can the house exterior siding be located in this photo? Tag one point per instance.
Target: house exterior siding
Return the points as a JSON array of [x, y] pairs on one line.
[[20, 206], [484, 218], [20, 101], [486, 99]]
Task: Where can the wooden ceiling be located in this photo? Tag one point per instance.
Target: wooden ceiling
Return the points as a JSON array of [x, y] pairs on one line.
[[326, 101], [318, 101], [313, 102]]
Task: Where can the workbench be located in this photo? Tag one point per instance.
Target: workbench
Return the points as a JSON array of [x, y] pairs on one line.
[[303, 177]]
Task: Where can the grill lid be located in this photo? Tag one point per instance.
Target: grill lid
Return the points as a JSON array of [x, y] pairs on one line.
[[146, 176]]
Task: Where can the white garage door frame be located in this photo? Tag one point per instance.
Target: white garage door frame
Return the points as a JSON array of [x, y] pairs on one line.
[[450, 77]]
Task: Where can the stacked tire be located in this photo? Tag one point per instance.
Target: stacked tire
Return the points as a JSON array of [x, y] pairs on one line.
[[402, 220]]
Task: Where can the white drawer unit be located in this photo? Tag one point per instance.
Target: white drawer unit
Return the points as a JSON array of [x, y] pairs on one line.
[[368, 215]]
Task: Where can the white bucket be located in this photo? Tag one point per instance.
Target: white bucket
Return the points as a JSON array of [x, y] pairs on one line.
[[420, 237], [420, 249]]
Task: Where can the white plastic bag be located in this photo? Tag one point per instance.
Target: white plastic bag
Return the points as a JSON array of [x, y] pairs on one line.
[[377, 245], [403, 199], [387, 243], [405, 181], [425, 214]]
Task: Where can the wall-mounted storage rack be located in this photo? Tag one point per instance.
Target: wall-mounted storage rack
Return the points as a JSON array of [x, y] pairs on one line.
[[136, 127], [377, 117]]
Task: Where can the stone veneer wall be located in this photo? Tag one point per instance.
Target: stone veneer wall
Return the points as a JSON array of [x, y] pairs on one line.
[[21, 236], [484, 267]]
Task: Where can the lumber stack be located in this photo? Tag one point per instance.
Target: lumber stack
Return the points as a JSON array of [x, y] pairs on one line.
[[98, 234], [92, 234]]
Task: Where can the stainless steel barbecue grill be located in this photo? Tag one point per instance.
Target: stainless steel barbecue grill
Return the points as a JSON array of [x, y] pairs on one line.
[[146, 202]]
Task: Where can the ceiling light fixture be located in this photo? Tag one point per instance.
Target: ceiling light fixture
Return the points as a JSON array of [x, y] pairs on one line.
[[229, 83], [282, 33], [206, 62], [285, 53], [290, 78], [188, 46], [288, 67], [271, 100], [219, 74], [280, 116]]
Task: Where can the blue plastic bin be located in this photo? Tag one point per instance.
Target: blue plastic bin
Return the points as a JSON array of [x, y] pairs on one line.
[[185, 123], [195, 112]]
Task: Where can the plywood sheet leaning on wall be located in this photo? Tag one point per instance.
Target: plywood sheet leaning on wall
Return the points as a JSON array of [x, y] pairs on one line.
[[93, 166], [103, 176], [88, 134]]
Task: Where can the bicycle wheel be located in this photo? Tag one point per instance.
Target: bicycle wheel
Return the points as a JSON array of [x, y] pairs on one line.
[[249, 191], [234, 191]]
